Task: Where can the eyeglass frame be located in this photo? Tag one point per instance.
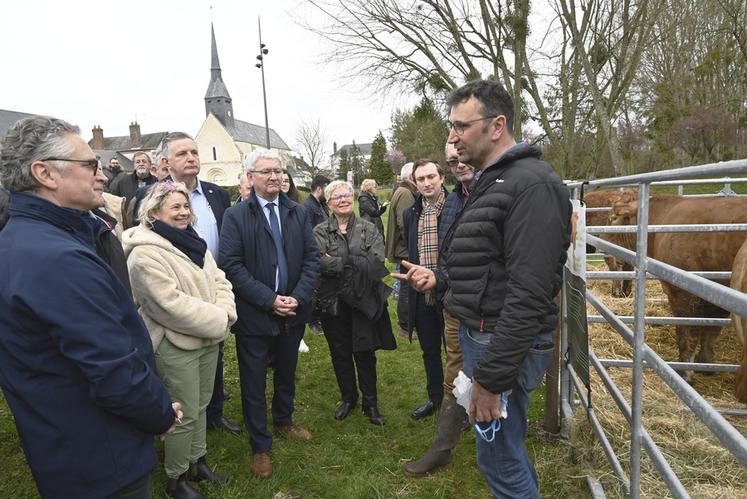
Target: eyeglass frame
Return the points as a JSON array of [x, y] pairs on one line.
[[460, 126], [340, 197], [268, 172], [85, 163]]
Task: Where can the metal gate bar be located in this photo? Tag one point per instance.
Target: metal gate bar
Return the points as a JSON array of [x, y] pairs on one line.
[[666, 321], [622, 274], [713, 292], [657, 458], [601, 435], [681, 366], [734, 441]]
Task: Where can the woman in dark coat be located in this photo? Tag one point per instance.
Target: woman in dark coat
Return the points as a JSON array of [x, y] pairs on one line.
[[351, 300], [288, 186], [368, 204]]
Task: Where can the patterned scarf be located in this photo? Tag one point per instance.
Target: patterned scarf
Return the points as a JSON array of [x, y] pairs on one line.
[[428, 236]]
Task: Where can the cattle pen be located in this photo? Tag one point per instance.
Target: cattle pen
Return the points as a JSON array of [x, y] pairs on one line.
[[577, 357]]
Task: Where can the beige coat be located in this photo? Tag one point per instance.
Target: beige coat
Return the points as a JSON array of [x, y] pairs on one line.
[[114, 206], [191, 306]]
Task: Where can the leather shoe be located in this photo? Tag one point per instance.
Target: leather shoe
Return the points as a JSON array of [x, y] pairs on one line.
[[262, 464], [200, 471], [181, 489], [373, 415], [294, 431], [344, 410], [425, 410], [225, 424]]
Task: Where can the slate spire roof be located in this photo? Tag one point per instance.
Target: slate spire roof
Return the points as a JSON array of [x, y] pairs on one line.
[[216, 88]]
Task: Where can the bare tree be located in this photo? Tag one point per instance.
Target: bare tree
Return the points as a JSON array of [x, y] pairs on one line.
[[311, 141], [425, 46], [574, 75], [736, 16], [610, 37], [696, 70], [433, 46]]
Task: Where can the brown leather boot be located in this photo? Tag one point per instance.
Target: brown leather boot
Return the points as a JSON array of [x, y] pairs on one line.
[[448, 428], [262, 464]]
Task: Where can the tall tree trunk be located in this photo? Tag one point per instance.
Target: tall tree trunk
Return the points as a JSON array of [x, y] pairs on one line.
[[520, 20], [600, 109]]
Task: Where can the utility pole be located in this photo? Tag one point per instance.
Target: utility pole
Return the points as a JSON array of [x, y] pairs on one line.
[[261, 65]]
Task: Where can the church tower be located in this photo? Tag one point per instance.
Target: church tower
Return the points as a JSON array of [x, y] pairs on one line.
[[217, 99]]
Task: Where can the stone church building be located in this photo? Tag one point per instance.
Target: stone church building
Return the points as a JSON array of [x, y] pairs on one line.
[[224, 140]]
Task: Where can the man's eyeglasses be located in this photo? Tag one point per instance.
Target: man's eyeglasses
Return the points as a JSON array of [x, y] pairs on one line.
[[91, 164], [268, 172], [338, 197], [453, 163], [460, 126]]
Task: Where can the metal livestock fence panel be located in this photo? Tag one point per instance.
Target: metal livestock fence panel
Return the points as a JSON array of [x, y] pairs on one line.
[[571, 389]]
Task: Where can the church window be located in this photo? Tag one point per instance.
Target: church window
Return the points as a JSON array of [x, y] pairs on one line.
[[215, 155]]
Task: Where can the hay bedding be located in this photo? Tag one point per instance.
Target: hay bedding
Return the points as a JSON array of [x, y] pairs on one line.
[[706, 469]]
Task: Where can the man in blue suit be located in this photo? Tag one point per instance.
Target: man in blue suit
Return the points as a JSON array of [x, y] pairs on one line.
[[76, 361], [267, 251]]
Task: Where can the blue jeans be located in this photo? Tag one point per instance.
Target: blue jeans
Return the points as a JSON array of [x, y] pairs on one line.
[[504, 463]]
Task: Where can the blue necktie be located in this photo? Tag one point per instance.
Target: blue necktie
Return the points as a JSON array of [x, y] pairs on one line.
[[278, 238]]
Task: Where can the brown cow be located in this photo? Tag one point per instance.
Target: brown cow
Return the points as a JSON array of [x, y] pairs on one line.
[[704, 251], [739, 282], [607, 198]]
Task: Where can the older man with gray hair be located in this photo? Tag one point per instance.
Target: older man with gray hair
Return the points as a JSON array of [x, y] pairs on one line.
[[76, 362], [268, 252]]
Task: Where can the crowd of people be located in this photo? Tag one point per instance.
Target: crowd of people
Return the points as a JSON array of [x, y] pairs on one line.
[[110, 337]]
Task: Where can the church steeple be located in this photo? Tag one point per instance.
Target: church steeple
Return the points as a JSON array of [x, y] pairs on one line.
[[217, 99]]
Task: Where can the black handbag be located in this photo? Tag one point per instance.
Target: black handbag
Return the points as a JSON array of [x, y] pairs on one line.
[[329, 306]]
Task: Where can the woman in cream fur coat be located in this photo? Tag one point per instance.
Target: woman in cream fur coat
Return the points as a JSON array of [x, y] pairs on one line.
[[187, 305]]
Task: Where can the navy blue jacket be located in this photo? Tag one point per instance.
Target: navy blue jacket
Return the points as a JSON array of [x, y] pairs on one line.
[[76, 361], [247, 255], [317, 211], [411, 217], [454, 203], [217, 197]]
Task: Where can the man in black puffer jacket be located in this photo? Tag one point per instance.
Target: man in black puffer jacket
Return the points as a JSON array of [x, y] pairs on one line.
[[500, 268]]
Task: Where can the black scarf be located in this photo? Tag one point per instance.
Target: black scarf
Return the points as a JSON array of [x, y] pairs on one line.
[[187, 241]]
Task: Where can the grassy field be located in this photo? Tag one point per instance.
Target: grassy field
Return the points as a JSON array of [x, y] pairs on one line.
[[347, 459]]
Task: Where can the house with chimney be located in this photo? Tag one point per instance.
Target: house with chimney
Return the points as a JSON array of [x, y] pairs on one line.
[[105, 152], [127, 145], [224, 141], [363, 151]]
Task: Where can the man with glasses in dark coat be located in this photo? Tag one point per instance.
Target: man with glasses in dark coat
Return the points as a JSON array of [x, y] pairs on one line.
[[76, 361], [500, 268], [269, 254]]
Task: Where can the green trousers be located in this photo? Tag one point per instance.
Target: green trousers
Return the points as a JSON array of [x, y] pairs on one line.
[[189, 377]]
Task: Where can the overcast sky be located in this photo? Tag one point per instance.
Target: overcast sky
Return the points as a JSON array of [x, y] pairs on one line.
[[109, 63]]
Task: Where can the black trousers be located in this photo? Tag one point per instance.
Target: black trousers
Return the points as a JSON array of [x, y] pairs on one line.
[[339, 334], [139, 489], [215, 407], [253, 353], [403, 307], [430, 326]]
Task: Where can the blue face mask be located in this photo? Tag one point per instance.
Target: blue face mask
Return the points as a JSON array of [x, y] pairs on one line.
[[488, 434]]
